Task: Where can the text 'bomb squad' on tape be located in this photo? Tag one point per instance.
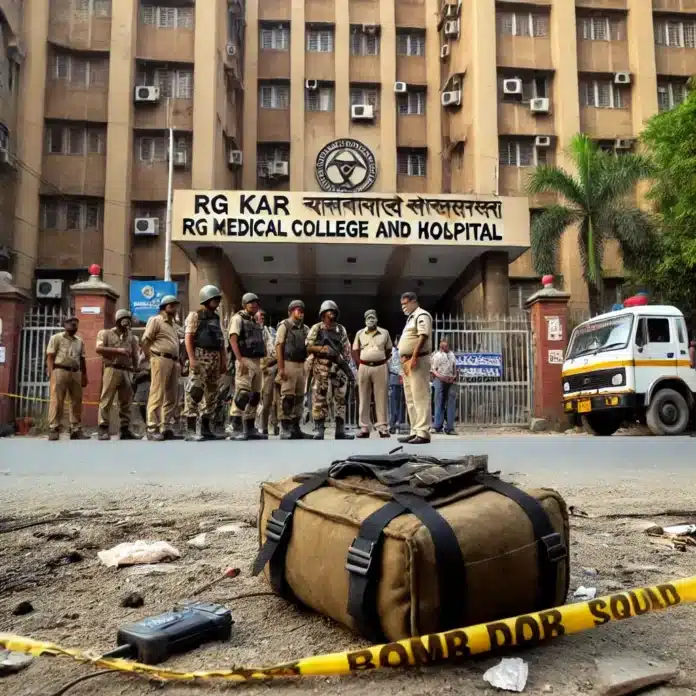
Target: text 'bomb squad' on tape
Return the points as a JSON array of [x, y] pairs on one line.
[[265, 216]]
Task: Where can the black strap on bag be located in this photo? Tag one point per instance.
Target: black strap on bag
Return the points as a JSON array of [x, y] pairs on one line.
[[551, 548]]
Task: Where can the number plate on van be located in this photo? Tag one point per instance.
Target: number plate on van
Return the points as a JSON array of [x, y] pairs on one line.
[[584, 406]]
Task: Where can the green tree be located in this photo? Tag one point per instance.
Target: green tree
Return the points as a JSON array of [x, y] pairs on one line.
[[669, 270], [595, 199]]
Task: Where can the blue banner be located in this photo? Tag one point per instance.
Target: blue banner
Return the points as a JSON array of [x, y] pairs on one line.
[[479, 364], [146, 295]]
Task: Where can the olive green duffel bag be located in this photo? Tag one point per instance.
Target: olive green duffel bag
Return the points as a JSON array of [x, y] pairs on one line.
[[401, 545]]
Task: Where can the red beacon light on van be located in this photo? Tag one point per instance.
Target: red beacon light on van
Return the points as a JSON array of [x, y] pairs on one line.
[[640, 300]]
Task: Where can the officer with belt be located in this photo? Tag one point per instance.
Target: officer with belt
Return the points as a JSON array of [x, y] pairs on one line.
[[205, 346], [67, 370], [372, 349], [291, 353], [415, 348], [119, 350], [160, 344], [249, 346]]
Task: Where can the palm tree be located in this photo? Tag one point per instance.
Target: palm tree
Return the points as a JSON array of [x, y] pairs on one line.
[[595, 200]]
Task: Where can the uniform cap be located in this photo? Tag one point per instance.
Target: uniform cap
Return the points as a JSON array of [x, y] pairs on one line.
[[209, 292], [71, 317], [123, 314], [168, 299], [249, 297], [296, 304], [326, 306], [371, 313]]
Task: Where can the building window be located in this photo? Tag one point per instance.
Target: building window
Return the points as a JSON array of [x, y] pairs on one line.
[[79, 72], [410, 43], [74, 140], [601, 28], [523, 24], [275, 38], [265, 154], [670, 94], [177, 84], [532, 88], [602, 95], [521, 153], [71, 215], [411, 103], [364, 96], [410, 163], [167, 17], [274, 97], [84, 9], [519, 292], [320, 40], [154, 148], [675, 33], [363, 44], [321, 99]]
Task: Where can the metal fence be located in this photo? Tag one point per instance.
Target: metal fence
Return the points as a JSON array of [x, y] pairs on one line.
[[491, 400], [40, 323]]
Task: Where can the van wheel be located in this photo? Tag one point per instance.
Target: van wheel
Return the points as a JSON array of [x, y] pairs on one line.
[[668, 413], [602, 424]]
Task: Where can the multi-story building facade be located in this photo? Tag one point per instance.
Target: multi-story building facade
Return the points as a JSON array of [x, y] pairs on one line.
[[449, 98]]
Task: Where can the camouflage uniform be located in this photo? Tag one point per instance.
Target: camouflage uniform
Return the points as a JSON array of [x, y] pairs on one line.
[[205, 376]]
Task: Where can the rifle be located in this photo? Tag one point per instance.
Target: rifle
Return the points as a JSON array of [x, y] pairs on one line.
[[336, 354]]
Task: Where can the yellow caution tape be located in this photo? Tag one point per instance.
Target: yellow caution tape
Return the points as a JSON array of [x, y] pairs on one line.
[[450, 646]]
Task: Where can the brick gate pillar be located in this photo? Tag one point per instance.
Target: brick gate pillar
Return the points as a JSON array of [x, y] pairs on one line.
[[548, 309], [95, 306], [13, 302]]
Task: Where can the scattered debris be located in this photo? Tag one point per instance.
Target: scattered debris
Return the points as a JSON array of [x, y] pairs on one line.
[[65, 559], [681, 530], [199, 541], [575, 511], [592, 572], [510, 674], [538, 425], [133, 600], [548, 689], [626, 674], [11, 661], [584, 594], [60, 534], [23, 608], [149, 569], [229, 573], [138, 552], [228, 529]]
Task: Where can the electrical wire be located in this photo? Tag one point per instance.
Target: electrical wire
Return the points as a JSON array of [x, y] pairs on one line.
[[66, 687]]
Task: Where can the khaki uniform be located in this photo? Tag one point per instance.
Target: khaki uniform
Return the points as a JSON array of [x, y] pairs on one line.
[[417, 383], [292, 390], [206, 375], [325, 372], [116, 378], [269, 392], [373, 375], [66, 379], [251, 381], [163, 341]]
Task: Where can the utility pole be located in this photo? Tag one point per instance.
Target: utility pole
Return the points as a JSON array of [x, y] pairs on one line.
[[170, 185]]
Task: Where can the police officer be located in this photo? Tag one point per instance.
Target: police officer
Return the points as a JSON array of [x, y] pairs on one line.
[[415, 347], [67, 369], [205, 346], [249, 347], [119, 350], [291, 353], [328, 342], [269, 366], [160, 344]]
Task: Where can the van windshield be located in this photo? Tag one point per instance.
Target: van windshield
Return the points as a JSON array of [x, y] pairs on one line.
[[598, 336]]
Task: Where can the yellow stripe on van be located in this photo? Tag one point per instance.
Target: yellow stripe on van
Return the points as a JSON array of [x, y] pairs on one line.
[[624, 363]]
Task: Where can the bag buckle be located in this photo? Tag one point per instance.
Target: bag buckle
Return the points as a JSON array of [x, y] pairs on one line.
[[359, 561], [555, 547], [277, 524]]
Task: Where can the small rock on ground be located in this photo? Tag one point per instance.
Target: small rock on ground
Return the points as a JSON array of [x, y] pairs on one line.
[[23, 608], [626, 674]]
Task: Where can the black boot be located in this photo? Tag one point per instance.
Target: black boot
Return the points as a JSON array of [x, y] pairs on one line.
[[207, 433], [250, 432], [276, 430], [320, 428], [154, 436], [77, 434], [125, 434], [287, 432], [341, 431], [103, 433], [191, 429], [236, 428], [297, 432]]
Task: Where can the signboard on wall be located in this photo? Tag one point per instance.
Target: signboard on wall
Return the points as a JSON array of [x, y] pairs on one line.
[[146, 295], [479, 364]]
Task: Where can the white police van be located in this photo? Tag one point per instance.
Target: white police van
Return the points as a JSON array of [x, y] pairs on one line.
[[631, 365]]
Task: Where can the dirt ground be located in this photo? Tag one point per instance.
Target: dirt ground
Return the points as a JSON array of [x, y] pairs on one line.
[[77, 603]]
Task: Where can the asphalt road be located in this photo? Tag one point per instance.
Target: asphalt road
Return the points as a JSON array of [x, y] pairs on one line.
[[91, 466]]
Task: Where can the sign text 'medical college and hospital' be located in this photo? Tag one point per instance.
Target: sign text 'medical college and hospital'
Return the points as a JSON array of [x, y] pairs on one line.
[[218, 216]]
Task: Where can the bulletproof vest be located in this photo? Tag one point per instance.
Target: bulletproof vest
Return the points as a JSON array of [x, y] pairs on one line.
[[251, 342], [295, 348], [334, 339], [209, 332]]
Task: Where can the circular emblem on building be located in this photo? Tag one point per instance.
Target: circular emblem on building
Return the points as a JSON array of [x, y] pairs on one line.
[[346, 166]]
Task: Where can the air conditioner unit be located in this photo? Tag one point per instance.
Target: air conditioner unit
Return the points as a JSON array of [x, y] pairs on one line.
[[146, 227], [231, 49], [279, 169], [512, 86], [540, 105], [49, 289], [451, 11], [6, 158], [623, 144], [452, 28], [452, 98], [369, 28], [542, 141], [622, 78], [180, 158], [263, 170], [362, 112], [311, 84], [400, 87], [234, 158], [445, 51], [148, 95]]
